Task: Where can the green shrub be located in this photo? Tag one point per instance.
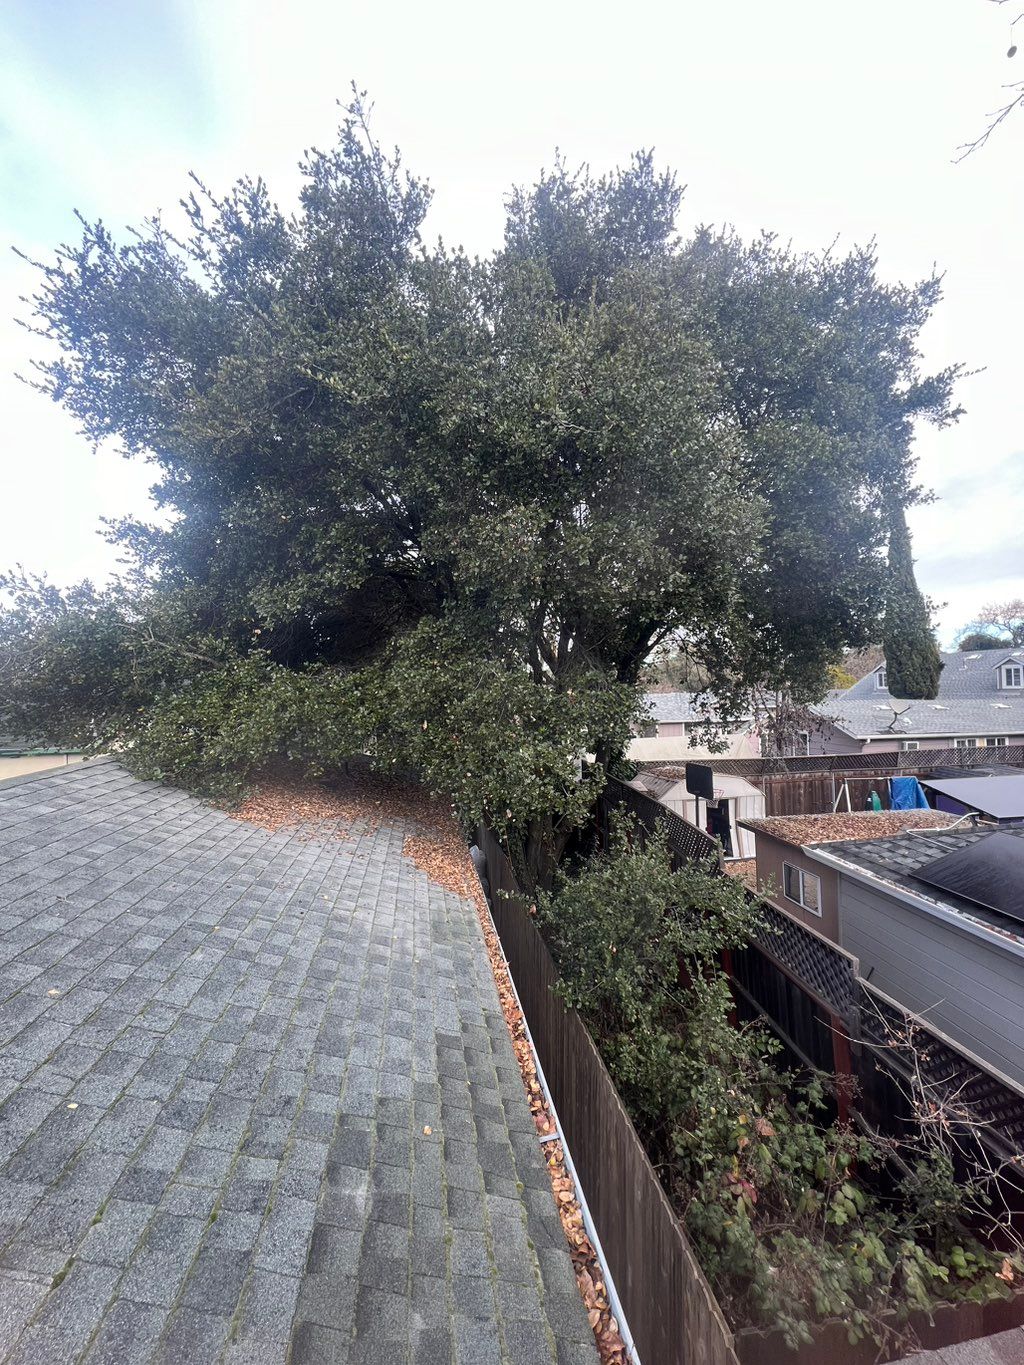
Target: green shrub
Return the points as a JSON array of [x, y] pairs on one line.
[[777, 1198]]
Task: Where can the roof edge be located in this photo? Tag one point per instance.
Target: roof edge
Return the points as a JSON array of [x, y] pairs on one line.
[[946, 914], [101, 760]]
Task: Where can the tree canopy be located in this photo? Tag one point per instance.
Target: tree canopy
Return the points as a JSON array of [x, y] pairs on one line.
[[442, 509], [1002, 623], [981, 639]]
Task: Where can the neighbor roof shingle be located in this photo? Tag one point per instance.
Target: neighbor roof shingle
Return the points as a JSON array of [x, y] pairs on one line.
[[968, 703]]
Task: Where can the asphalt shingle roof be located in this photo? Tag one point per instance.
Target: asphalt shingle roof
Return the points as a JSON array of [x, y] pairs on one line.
[[896, 860], [220, 1051], [968, 703], [680, 706]]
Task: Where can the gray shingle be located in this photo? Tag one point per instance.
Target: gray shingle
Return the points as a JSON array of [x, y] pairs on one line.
[[968, 703], [256, 1029]]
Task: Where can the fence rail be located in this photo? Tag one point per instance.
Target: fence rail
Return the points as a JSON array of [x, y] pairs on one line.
[[888, 763], [672, 1313]]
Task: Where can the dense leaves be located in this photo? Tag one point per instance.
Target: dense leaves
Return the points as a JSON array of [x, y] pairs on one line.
[[1002, 623], [912, 658], [445, 508], [781, 1203]]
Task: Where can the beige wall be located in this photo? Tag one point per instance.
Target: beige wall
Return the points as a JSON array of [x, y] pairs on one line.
[[38, 763], [771, 854], [677, 748]]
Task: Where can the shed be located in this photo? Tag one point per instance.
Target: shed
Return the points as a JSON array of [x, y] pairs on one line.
[[736, 800]]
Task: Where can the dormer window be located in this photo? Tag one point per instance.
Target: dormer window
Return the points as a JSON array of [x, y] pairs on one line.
[[881, 678], [1013, 675]]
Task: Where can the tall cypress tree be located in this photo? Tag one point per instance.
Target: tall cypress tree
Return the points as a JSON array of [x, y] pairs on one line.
[[912, 658]]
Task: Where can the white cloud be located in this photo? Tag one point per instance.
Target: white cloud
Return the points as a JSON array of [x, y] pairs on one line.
[[790, 117]]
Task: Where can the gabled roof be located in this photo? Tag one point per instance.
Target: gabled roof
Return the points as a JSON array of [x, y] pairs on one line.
[[693, 707], [969, 702]]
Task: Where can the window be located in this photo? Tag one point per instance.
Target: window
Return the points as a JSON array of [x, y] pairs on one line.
[[804, 888], [648, 729], [802, 744], [966, 743], [908, 745], [881, 678], [1013, 675], [996, 742]]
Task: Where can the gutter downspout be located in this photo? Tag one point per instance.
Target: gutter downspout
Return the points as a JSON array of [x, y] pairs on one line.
[[588, 1222]]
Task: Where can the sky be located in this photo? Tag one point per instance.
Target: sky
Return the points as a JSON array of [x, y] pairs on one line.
[[819, 121]]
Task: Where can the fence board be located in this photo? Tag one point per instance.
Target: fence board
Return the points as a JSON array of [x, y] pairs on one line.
[[911, 761], [671, 1310]]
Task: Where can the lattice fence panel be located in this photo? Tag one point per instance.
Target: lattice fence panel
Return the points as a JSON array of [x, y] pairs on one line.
[[899, 1040]]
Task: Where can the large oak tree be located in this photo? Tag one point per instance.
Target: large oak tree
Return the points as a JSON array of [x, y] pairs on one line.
[[442, 509]]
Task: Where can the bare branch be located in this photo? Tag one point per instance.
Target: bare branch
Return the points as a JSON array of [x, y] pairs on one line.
[[995, 119]]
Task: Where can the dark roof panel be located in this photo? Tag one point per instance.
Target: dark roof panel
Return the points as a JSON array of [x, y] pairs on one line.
[[989, 873], [900, 860]]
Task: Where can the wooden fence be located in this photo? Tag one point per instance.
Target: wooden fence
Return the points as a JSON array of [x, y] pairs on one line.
[[815, 793], [890, 763], [669, 1306], [810, 786]]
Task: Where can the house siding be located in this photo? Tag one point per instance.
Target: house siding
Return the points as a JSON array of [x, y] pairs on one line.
[[969, 989], [833, 741], [771, 854], [830, 740]]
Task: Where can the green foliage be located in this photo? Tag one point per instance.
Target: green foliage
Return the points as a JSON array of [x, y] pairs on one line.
[[839, 678], [912, 658], [778, 1199], [531, 469], [976, 640], [619, 951], [1004, 620]]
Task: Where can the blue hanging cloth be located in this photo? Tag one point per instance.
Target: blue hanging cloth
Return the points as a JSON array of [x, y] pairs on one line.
[[908, 794]]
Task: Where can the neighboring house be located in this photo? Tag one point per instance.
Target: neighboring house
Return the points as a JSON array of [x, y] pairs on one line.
[[678, 729], [980, 704], [936, 919], [18, 758], [930, 909], [795, 882]]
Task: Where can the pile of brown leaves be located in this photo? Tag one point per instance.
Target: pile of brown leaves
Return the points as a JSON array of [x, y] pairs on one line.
[[286, 804], [330, 808], [442, 854]]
